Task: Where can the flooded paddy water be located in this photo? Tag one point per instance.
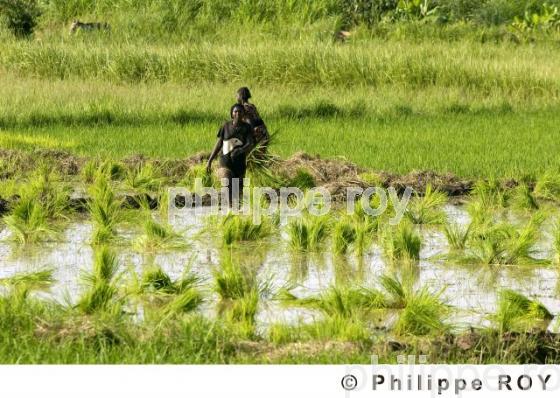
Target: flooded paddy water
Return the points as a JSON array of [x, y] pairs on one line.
[[471, 290]]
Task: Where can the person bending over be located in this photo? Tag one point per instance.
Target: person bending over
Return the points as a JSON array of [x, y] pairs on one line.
[[235, 141]]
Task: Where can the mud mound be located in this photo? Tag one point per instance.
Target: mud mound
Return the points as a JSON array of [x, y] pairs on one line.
[[323, 170], [419, 180], [336, 175], [14, 161]]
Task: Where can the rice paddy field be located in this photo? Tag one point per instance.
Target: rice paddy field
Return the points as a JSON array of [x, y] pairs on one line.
[[462, 105]]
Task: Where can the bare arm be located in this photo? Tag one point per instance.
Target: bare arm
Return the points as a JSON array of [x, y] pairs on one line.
[[215, 151]]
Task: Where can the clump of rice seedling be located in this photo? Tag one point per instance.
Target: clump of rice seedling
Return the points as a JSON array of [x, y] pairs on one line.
[[548, 186], [105, 210], [344, 234], [42, 202], [337, 301], [523, 198], [21, 284], [364, 235], [308, 233], [426, 209], [421, 312], [518, 313], [490, 193], [28, 221], [237, 228], [101, 291], [504, 244], [239, 292], [175, 296], [113, 170], [199, 171], [50, 192], [145, 178], [159, 237], [457, 235], [402, 243]]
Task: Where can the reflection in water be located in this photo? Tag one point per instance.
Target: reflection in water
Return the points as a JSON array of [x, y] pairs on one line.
[[471, 289]]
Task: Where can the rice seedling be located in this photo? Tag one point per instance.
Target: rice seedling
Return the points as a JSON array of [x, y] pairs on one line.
[[172, 297], [237, 228], [344, 302], [21, 284], [457, 235], [145, 178], [518, 313], [548, 186], [101, 292], [199, 172], [50, 192], [364, 235], [523, 198], [490, 193], [420, 312], [426, 209], [159, 237], [105, 210], [423, 314], [344, 234], [308, 232], [402, 243], [504, 244], [28, 221], [115, 171]]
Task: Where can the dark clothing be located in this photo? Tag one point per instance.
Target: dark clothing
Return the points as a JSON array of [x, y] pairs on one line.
[[260, 132], [235, 161]]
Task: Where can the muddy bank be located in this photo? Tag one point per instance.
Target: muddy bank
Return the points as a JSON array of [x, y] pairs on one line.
[[333, 174], [470, 347]]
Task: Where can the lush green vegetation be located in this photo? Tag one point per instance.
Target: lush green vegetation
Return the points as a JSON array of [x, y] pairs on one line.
[[459, 86]]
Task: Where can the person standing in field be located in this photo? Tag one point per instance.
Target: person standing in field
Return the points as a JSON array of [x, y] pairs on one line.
[[252, 117], [235, 141]]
